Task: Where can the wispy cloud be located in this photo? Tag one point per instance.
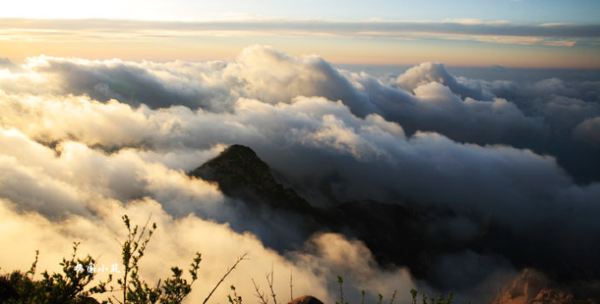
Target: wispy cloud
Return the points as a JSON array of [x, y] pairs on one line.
[[463, 29]]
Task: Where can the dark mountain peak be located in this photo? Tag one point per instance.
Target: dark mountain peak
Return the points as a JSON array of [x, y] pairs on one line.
[[239, 152], [239, 148], [241, 174], [237, 164]]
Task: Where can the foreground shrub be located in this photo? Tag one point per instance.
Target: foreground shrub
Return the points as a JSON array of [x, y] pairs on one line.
[[74, 284]]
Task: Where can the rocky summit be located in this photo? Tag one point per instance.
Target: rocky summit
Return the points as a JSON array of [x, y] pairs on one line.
[[533, 287], [241, 174]]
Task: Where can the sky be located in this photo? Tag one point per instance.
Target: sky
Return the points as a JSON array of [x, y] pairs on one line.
[[517, 33], [538, 11]]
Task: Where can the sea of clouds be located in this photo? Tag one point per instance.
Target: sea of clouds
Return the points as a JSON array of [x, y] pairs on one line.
[[83, 142]]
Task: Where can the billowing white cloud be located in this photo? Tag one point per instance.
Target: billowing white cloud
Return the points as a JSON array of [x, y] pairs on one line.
[[80, 194], [84, 141], [271, 76], [435, 72], [318, 124]]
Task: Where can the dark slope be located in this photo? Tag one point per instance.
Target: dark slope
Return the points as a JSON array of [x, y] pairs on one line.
[[395, 233], [241, 174], [399, 233], [277, 215]]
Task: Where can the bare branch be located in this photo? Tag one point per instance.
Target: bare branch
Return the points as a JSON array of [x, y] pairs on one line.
[[240, 259], [393, 297], [291, 286], [270, 281], [260, 295]]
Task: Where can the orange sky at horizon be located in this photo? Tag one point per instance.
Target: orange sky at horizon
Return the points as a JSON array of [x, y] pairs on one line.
[[22, 41]]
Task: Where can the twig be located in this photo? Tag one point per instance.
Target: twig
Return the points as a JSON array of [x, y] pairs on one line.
[[260, 295], [116, 299], [34, 264], [270, 282], [291, 287], [393, 296], [241, 258], [341, 284]]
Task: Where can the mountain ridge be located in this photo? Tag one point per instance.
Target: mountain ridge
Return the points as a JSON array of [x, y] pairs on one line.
[[398, 234], [242, 175]]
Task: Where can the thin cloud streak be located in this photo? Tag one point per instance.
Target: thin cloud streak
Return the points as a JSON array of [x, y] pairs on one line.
[[473, 27], [315, 27], [461, 42]]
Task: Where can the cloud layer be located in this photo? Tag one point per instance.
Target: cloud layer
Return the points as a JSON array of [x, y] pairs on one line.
[[82, 142]]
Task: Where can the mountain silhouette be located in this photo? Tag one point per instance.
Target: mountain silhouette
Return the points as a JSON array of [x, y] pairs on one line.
[[241, 174], [401, 233], [396, 234]]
